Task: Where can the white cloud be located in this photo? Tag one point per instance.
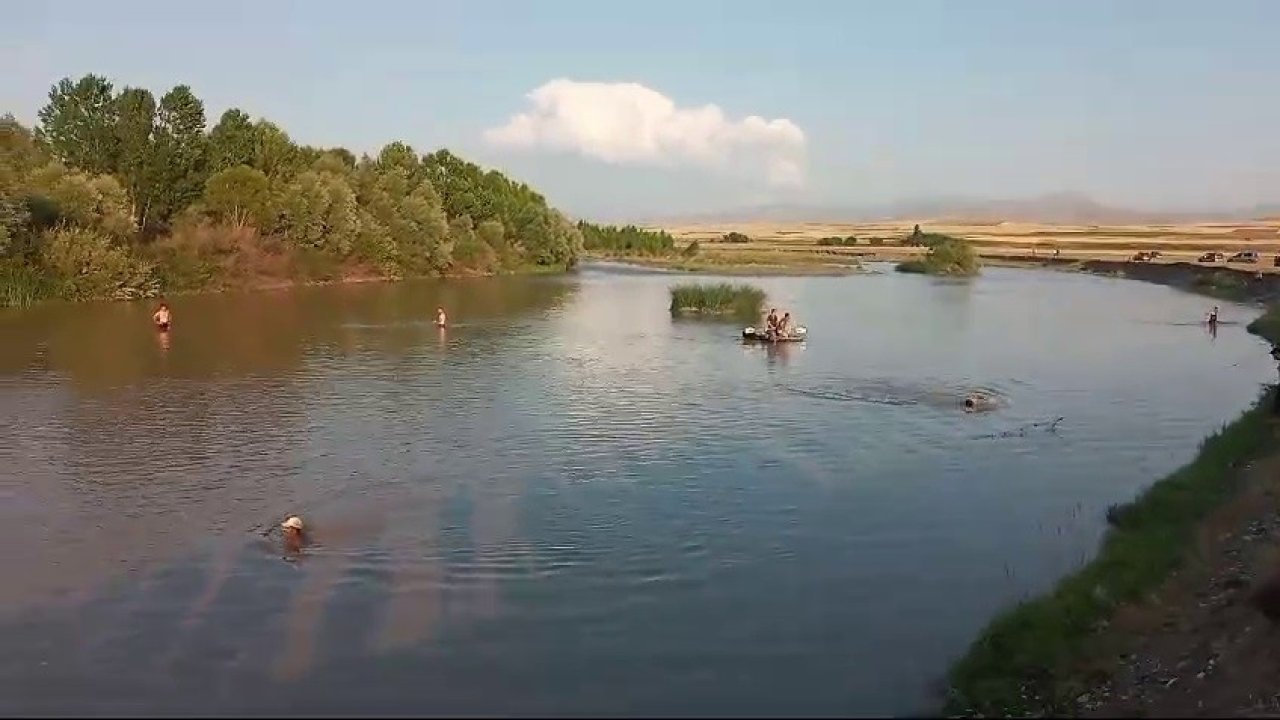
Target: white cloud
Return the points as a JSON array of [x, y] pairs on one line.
[[630, 124]]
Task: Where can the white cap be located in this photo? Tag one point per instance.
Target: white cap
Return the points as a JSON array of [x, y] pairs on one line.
[[293, 523]]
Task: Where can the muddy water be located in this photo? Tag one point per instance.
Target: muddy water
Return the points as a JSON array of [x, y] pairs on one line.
[[567, 502]]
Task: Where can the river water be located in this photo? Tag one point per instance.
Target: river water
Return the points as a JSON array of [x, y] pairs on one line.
[[569, 503]]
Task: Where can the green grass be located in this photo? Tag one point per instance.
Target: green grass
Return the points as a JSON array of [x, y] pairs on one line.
[[1033, 659], [723, 299], [1225, 284], [22, 286]]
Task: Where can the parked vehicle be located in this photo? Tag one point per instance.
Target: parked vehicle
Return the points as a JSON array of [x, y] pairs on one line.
[[1212, 257], [1247, 256]]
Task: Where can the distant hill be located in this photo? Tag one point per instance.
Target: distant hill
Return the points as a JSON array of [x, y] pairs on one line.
[[1058, 208]]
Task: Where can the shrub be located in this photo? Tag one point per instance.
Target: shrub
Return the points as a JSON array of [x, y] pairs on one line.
[[952, 257], [735, 237], [739, 301], [88, 265], [833, 241]]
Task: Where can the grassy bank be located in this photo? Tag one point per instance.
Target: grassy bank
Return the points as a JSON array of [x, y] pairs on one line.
[[742, 302], [1038, 657], [723, 261]]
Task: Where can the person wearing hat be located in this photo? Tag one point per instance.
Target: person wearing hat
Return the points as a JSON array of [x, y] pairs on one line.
[[292, 530]]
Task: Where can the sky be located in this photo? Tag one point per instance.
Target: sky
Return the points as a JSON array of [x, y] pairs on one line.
[[621, 111]]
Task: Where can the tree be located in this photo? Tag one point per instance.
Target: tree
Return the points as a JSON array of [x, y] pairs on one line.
[[135, 146], [179, 161], [89, 265], [273, 152], [423, 231], [73, 198], [319, 211], [237, 195], [79, 123], [233, 141]]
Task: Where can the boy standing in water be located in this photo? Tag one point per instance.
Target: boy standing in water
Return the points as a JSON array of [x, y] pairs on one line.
[[440, 318], [161, 317]]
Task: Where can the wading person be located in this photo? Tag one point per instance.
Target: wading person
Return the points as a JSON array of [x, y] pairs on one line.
[[161, 317]]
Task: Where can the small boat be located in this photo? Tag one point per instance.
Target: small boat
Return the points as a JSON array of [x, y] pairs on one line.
[[751, 334]]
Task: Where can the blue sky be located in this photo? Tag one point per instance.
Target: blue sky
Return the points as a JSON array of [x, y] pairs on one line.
[[1154, 104]]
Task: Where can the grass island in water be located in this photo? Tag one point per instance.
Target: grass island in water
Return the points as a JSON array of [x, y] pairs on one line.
[[742, 302]]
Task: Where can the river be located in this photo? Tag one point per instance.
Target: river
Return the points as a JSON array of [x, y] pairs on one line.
[[569, 503]]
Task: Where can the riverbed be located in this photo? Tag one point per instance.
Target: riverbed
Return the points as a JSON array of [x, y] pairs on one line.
[[568, 502]]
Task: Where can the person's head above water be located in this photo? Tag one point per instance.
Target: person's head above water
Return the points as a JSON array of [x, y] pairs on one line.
[[292, 524]]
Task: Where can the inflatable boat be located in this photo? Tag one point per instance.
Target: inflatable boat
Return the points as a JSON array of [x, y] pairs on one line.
[[751, 334]]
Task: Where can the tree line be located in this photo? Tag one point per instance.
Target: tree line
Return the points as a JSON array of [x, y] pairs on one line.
[[115, 193]]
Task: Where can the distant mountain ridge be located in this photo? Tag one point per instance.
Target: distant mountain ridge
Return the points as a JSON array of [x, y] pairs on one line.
[[1056, 208]]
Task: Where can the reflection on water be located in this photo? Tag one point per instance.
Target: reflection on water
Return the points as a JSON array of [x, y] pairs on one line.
[[566, 502]]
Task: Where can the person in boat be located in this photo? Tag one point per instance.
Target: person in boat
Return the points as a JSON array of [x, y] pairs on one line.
[[785, 326], [441, 320], [161, 317], [771, 323]]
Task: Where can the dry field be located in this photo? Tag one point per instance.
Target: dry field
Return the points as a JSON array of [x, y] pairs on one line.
[[994, 240]]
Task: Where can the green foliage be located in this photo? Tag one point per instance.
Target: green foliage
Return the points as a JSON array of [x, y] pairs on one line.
[[950, 257], [849, 241], [318, 211], [179, 160], [69, 197], [79, 123], [87, 264], [627, 240], [1267, 325], [735, 237], [135, 145], [115, 189], [233, 141], [273, 152], [918, 238], [743, 302], [237, 196]]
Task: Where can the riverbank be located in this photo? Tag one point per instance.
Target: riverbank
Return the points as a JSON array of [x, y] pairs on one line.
[[1162, 603], [731, 263]]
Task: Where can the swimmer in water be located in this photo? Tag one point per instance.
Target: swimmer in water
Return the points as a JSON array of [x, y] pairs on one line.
[[294, 538], [161, 317], [441, 320], [977, 402]]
